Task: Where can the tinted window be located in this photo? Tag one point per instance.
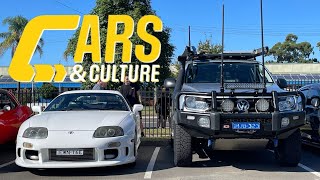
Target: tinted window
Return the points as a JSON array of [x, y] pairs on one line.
[[233, 72], [5, 100], [88, 101]]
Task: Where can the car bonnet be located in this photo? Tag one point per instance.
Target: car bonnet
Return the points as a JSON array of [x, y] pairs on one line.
[[78, 120]]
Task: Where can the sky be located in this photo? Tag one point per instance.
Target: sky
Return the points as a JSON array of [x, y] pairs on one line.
[[242, 23]]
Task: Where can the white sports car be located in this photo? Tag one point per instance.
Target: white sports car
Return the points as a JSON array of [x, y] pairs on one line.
[[86, 128]]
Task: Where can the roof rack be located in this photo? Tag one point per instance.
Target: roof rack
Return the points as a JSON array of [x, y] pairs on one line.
[[192, 55]]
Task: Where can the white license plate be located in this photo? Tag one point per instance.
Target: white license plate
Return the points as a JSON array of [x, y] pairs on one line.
[[69, 152]]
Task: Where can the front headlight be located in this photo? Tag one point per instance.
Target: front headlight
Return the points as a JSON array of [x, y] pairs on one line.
[[195, 103], [36, 133], [108, 131], [288, 103]]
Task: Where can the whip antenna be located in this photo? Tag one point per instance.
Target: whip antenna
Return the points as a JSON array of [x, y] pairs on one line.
[[222, 47], [262, 45]]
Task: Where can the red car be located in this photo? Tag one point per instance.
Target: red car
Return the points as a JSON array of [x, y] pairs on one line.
[[12, 115]]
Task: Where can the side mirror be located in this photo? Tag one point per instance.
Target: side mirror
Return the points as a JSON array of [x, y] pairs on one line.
[[137, 107], [36, 109], [7, 108], [169, 83], [282, 83]]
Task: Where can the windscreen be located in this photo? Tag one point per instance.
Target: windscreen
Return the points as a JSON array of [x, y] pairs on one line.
[[233, 73], [88, 101]]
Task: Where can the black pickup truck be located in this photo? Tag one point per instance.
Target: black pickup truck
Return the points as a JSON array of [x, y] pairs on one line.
[[233, 99]]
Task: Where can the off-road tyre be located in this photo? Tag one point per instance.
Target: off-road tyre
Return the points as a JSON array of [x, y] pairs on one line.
[[289, 150], [182, 147]]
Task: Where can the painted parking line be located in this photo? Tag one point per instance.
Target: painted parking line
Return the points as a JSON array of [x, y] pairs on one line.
[[309, 169], [314, 172], [153, 159], [6, 164]]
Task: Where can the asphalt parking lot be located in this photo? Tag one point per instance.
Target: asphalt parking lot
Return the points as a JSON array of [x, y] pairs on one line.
[[156, 162]]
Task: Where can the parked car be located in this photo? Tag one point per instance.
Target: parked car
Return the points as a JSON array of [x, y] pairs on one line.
[[242, 102], [12, 115], [310, 132], [80, 129]]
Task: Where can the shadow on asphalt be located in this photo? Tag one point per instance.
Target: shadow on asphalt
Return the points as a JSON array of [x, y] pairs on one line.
[[311, 157], [314, 150], [262, 160], [7, 153]]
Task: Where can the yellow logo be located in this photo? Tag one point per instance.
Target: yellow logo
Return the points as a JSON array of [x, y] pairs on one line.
[[21, 70]]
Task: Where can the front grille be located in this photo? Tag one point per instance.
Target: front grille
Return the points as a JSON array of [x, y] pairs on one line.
[[88, 155]]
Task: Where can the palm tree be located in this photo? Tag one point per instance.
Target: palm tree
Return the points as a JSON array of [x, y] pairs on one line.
[[12, 37]]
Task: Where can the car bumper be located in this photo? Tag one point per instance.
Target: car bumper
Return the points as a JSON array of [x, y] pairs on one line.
[[47, 158], [221, 124]]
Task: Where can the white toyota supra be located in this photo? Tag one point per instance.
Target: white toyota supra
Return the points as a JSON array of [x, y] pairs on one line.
[[85, 128]]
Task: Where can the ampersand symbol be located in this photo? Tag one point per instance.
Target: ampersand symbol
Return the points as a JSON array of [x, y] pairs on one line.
[[77, 72]]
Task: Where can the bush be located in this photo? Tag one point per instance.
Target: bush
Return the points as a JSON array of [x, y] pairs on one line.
[[48, 91]]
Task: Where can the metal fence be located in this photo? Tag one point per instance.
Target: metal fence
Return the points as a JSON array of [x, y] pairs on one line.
[[294, 85], [156, 112]]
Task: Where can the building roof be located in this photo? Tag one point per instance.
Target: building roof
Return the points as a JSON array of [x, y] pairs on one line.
[[6, 82], [294, 68]]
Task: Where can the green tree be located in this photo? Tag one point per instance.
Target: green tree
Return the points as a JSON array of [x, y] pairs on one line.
[[11, 38], [291, 51], [318, 45], [175, 67], [48, 91], [208, 47], [136, 9]]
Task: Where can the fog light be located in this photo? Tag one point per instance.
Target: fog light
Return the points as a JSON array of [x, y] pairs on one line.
[[285, 122], [27, 145], [109, 156], [295, 117], [114, 144], [204, 121], [262, 105], [32, 155], [191, 117]]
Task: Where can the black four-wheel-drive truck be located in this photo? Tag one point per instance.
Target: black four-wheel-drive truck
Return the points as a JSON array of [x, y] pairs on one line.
[[230, 97]]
